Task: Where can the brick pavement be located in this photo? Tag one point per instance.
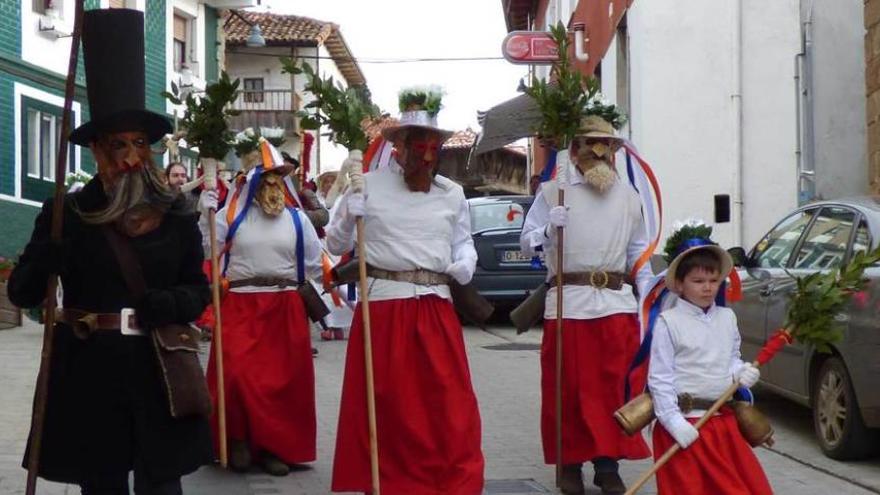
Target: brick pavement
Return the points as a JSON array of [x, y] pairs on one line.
[[506, 383]]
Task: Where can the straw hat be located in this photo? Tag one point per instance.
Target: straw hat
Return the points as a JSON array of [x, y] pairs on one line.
[[594, 126]]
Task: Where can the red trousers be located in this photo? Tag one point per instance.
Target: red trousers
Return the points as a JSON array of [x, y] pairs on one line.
[[720, 462], [428, 424], [596, 355], [268, 373]]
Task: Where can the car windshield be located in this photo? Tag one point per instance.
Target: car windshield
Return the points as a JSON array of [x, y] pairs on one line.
[[501, 215]]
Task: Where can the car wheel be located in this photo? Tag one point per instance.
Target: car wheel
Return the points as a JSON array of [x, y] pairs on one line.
[[837, 421]]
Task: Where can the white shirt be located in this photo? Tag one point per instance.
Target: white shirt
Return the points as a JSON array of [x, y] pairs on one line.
[[400, 256], [692, 351], [265, 246], [607, 248]]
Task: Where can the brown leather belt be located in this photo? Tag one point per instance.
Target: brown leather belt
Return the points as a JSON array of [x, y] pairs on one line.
[[688, 403], [264, 282], [599, 280], [84, 323], [418, 277]]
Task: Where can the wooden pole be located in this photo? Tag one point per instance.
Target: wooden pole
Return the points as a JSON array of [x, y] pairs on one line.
[[368, 357], [217, 340], [675, 447], [559, 272], [42, 388], [209, 169]]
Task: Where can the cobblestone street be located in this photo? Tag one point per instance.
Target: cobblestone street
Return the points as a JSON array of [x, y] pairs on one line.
[[506, 378]]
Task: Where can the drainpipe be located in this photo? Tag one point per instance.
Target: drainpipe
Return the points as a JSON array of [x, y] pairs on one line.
[[807, 164], [736, 100]]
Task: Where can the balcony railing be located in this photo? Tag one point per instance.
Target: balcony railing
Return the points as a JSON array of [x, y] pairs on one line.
[[266, 108]]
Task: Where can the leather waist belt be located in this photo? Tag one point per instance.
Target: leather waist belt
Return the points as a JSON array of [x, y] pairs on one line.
[[599, 280], [84, 322], [418, 277], [688, 403], [264, 282]]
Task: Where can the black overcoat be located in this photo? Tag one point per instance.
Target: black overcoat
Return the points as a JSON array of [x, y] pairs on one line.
[[107, 411]]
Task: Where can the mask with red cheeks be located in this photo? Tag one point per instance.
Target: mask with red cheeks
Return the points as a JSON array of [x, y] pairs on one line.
[[120, 152], [418, 154]]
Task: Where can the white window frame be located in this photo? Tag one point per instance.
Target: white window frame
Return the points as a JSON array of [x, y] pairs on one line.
[[19, 90]]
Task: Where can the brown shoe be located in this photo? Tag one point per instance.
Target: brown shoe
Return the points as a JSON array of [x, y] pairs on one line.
[[239, 455], [571, 481], [610, 483], [274, 466]]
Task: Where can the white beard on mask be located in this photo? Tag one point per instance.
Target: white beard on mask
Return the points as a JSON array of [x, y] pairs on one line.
[[600, 176]]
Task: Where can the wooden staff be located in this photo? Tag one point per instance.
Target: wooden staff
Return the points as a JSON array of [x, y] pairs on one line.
[[676, 447], [560, 181], [210, 172], [368, 357], [42, 389]]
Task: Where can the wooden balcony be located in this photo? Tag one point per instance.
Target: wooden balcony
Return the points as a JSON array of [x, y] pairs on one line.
[[266, 108]]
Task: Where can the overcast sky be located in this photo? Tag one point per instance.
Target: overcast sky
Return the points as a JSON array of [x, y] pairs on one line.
[[407, 29]]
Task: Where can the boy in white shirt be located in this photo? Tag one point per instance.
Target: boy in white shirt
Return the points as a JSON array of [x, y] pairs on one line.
[[695, 352]]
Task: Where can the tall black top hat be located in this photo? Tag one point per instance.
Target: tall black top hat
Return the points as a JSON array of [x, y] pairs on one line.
[[113, 52]]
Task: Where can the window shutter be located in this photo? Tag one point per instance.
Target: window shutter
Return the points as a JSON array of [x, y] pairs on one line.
[[180, 28]]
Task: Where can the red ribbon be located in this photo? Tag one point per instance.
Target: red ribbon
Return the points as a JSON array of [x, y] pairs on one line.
[[780, 339]]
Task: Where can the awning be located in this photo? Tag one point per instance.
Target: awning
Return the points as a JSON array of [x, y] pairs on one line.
[[506, 122]]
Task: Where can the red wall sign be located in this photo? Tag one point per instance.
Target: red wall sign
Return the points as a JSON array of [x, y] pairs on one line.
[[530, 47]]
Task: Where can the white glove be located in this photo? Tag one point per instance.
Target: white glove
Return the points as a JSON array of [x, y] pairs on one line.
[[748, 375], [460, 271], [682, 431], [559, 216], [357, 204], [356, 176], [208, 201]]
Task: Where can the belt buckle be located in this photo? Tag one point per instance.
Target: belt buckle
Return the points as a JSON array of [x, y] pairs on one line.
[[126, 323], [604, 277]]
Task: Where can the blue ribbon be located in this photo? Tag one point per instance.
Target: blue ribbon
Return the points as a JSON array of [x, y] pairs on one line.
[[300, 248], [252, 190], [645, 347], [547, 173], [692, 243]]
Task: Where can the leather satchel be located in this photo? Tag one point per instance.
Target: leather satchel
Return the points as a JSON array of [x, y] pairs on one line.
[[177, 345]]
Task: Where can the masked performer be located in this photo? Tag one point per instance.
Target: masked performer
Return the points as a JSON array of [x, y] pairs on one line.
[[107, 411]]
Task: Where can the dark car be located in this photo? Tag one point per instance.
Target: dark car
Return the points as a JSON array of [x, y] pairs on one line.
[[503, 274], [841, 386]]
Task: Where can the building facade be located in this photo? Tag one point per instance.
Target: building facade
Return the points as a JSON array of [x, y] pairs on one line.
[[181, 45], [270, 97]]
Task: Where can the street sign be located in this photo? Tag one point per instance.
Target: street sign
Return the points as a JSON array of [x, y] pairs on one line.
[[530, 48]]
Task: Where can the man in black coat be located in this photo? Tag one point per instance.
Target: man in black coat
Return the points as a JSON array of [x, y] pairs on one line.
[[107, 411]]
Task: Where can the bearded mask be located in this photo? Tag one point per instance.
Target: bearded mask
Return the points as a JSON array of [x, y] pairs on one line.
[[137, 196], [270, 194], [593, 158]]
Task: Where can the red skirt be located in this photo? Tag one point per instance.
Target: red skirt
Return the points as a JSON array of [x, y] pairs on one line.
[[719, 462], [427, 420], [206, 319], [269, 375], [596, 356]]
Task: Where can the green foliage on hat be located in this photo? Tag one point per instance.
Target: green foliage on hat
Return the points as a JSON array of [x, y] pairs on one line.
[[205, 117], [607, 111], [339, 108], [248, 140], [820, 296], [429, 99], [690, 230]]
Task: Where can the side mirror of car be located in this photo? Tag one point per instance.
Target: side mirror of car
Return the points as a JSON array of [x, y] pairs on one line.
[[740, 258]]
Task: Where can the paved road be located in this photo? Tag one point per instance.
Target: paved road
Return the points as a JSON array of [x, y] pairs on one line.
[[506, 382]]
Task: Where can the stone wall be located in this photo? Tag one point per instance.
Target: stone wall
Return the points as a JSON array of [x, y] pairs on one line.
[[872, 89]]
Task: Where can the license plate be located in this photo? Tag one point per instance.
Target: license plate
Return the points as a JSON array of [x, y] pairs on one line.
[[514, 257]]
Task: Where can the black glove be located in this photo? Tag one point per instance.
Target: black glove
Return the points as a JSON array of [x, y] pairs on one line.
[[156, 308]]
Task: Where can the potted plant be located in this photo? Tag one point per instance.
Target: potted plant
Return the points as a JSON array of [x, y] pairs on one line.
[[10, 315]]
